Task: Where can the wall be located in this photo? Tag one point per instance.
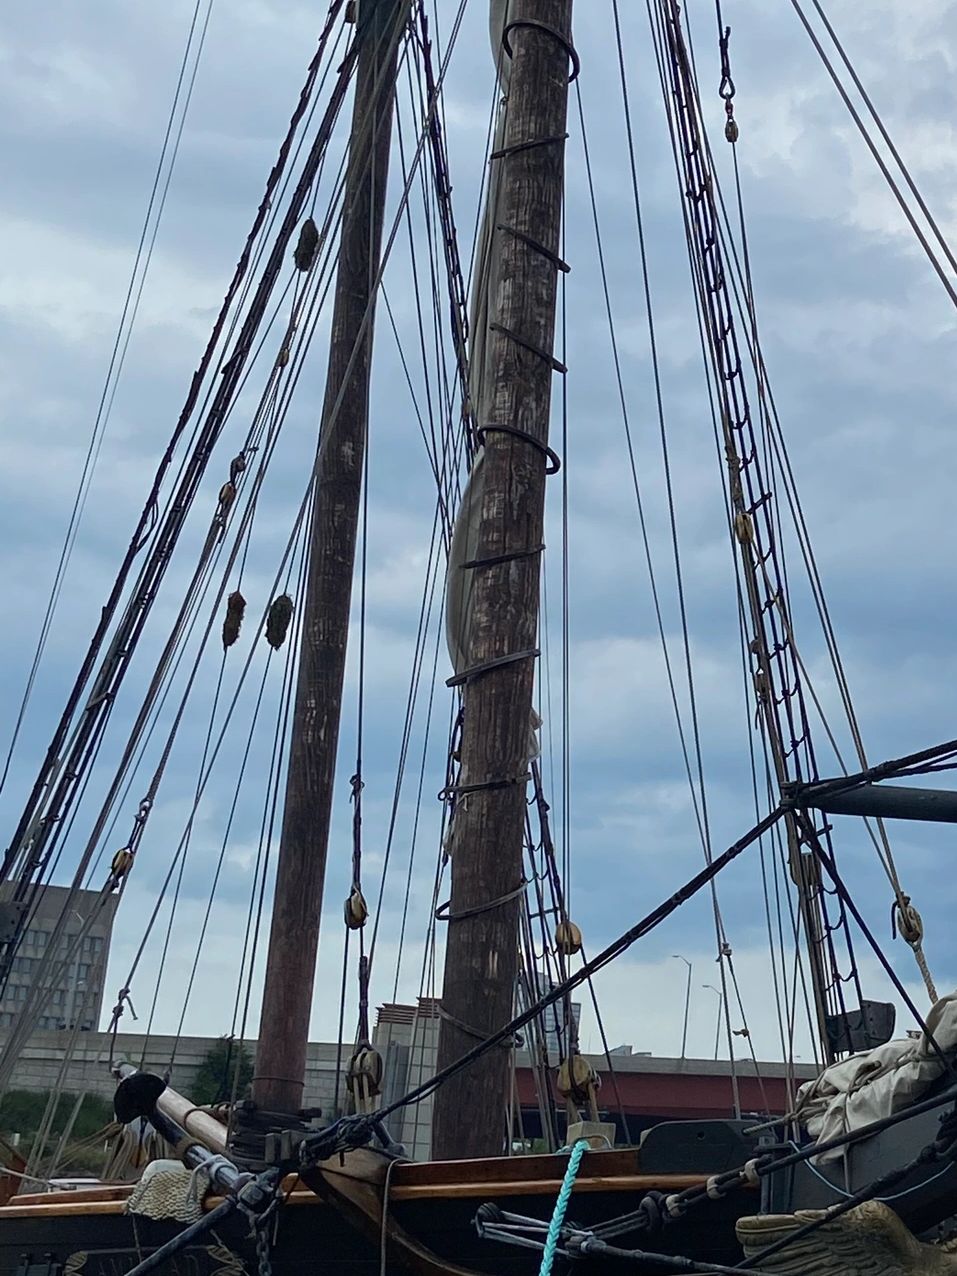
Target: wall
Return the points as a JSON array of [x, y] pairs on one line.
[[39, 1065]]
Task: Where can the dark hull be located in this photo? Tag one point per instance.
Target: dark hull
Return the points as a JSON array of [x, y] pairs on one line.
[[311, 1235], [337, 1225]]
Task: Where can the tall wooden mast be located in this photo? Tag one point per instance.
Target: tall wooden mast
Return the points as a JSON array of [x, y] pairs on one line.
[[481, 954], [294, 936]]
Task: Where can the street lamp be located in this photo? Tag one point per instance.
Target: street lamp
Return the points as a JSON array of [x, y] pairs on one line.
[[717, 1029], [684, 1031]]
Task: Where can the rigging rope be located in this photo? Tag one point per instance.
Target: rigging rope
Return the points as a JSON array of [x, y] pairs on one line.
[[51, 797], [695, 772], [145, 810], [871, 146], [197, 589], [391, 240], [903, 913], [777, 676], [118, 355], [561, 1207]]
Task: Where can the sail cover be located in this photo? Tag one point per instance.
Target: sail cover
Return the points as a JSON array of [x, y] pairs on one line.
[[875, 1083]]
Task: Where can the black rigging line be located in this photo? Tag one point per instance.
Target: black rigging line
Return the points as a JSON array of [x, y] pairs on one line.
[[221, 400], [590, 968], [33, 834], [117, 358], [271, 804], [776, 455], [458, 304], [193, 602], [875, 116], [389, 245], [214, 753], [164, 952], [726, 91], [695, 779], [781, 696], [659, 404], [445, 455], [194, 968], [879, 159]]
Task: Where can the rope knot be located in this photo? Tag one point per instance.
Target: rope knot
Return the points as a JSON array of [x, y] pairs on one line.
[[651, 1208], [726, 87]]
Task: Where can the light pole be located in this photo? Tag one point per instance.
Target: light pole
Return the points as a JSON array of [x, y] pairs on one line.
[[684, 1030], [717, 1029]]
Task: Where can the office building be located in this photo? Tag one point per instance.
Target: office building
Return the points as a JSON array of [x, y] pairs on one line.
[[76, 991]]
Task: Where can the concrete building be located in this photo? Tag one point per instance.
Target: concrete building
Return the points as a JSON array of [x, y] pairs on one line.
[[556, 1027], [39, 1064], [76, 996], [640, 1091]]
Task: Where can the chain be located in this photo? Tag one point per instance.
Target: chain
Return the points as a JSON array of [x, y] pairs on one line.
[[263, 1248]]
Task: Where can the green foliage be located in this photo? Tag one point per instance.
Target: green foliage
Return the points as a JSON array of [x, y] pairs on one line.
[[22, 1112], [214, 1078]]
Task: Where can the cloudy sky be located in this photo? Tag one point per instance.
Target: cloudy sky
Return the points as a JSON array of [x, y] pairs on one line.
[[858, 337]]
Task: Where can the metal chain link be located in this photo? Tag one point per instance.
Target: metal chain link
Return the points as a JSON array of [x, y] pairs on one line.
[[263, 1248]]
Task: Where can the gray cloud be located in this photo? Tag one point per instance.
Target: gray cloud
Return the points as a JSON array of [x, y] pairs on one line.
[[858, 339]]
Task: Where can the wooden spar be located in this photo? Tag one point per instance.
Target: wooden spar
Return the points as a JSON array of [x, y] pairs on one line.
[[883, 801], [294, 934], [481, 950], [200, 1125]]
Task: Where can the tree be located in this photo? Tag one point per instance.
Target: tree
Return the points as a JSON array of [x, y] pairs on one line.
[[23, 1111], [214, 1077]]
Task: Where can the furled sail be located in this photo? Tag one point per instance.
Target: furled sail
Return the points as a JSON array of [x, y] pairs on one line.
[[465, 536], [874, 1083]]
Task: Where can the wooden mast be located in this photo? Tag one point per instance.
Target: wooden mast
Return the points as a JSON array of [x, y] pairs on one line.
[[294, 935], [481, 953]]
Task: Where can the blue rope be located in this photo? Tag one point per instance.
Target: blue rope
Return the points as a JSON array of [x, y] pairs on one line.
[[561, 1205]]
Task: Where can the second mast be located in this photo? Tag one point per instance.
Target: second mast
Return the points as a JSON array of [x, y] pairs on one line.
[[294, 935]]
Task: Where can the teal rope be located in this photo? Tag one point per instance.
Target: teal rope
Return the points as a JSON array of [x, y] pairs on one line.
[[561, 1205]]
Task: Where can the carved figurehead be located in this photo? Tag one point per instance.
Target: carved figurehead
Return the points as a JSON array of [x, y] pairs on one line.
[[869, 1240]]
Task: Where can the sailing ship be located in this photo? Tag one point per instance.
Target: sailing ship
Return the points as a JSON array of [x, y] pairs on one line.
[[262, 1184]]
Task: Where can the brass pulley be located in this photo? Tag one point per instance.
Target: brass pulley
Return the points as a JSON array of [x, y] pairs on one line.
[[120, 866], [568, 938], [744, 528], [575, 1077], [227, 494], [356, 909], [578, 1083], [364, 1078]]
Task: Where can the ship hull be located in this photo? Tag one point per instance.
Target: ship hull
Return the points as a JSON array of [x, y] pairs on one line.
[[335, 1216], [310, 1233]]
